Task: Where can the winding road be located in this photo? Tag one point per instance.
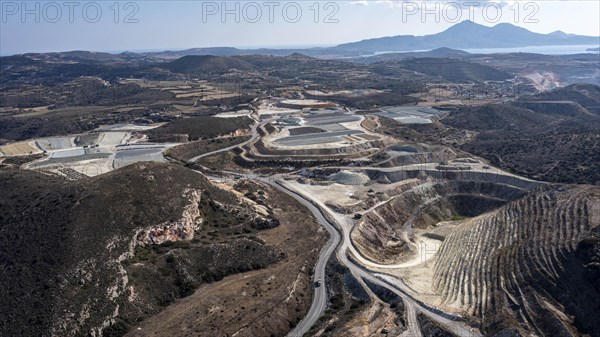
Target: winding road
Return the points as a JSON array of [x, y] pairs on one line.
[[319, 301], [335, 226], [253, 138]]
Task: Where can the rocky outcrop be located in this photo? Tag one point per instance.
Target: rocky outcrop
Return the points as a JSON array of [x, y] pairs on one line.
[[182, 229], [261, 223]]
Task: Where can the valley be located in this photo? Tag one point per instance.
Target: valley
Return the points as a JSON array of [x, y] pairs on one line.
[[434, 193]]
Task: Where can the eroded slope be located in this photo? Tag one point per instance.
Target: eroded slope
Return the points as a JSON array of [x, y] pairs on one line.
[[96, 256], [385, 234], [533, 262]]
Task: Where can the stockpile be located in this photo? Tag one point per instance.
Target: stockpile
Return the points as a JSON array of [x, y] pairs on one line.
[[350, 178]]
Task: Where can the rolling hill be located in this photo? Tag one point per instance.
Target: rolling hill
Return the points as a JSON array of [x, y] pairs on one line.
[[207, 64], [552, 136], [455, 70], [96, 256]]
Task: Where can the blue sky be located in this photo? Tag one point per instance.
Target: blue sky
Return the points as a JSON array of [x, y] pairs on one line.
[[160, 25]]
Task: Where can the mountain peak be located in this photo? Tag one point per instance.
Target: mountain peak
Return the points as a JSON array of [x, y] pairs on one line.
[[466, 23], [299, 57], [465, 26], [470, 35]]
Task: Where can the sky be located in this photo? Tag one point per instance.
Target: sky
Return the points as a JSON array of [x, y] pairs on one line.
[[152, 25]]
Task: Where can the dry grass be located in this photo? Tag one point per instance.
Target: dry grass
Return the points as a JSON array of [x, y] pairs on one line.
[[257, 303]]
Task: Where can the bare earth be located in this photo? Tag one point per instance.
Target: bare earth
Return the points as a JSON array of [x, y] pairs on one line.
[[258, 303]]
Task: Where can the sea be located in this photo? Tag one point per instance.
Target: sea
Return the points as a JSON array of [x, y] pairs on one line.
[[548, 50]]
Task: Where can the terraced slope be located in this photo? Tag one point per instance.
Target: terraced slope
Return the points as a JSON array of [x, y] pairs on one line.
[[534, 264], [267, 150], [379, 235]]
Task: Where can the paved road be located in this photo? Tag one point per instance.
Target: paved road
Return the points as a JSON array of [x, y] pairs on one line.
[[345, 225], [320, 300], [254, 136], [386, 281], [319, 303], [394, 285]]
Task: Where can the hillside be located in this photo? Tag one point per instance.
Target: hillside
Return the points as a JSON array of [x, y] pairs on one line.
[[63, 242], [81, 55], [376, 235], [207, 64], [195, 128], [455, 70], [586, 95], [496, 117], [86, 249], [553, 136], [532, 265]]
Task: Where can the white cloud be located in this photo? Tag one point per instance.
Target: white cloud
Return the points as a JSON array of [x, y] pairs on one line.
[[427, 3], [364, 3]]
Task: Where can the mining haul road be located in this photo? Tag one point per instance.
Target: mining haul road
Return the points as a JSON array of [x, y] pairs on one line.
[[319, 303]]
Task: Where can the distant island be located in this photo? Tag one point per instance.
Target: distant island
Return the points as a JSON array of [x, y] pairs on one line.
[[593, 49], [466, 35], [463, 35], [470, 35]]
